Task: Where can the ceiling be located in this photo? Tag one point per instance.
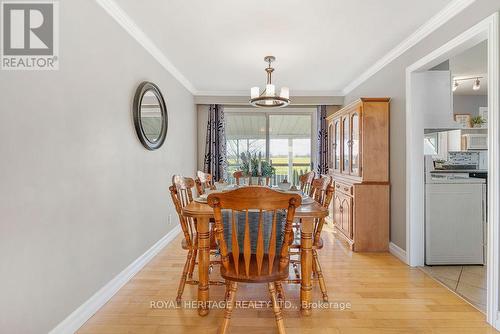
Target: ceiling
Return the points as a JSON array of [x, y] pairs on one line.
[[471, 63], [321, 46]]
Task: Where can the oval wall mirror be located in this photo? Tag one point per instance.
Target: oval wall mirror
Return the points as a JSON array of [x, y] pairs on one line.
[[150, 115]]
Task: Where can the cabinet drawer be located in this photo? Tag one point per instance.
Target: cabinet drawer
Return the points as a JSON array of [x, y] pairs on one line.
[[344, 188]]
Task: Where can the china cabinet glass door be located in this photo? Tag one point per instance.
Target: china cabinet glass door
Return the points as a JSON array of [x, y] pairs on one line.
[[336, 145], [345, 144], [354, 144]]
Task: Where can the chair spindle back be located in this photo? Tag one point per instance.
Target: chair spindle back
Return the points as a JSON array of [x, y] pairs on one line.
[[203, 181], [322, 191], [259, 200], [181, 192], [305, 182]]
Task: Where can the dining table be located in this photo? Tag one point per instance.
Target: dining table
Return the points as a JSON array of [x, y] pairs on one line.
[[306, 214]]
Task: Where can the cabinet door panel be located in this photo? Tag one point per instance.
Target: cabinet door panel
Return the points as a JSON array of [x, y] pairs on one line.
[[342, 206], [331, 149], [336, 145], [346, 150], [355, 143], [337, 214], [346, 205]]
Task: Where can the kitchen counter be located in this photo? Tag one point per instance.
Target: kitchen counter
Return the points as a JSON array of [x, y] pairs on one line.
[[459, 171]]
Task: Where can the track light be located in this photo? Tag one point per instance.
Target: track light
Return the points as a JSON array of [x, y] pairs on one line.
[[477, 84]]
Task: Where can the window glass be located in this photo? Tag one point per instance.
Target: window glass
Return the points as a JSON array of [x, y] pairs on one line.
[[289, 142], [244, 133], [290, 145]]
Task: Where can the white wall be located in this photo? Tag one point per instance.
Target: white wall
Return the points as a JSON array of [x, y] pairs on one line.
[[390, 81], [469, 104], [80, 198]]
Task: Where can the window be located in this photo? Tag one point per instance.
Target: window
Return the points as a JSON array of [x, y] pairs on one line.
[[284, 139], [244, 133]]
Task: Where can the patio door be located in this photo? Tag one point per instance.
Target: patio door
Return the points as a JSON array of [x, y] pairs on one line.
[[283, 138]]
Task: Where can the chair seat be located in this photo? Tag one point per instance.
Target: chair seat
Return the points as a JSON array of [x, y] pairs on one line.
[[253, 275]]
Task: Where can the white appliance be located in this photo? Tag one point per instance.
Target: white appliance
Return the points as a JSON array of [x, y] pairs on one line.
[[455, 218], [475, 141]]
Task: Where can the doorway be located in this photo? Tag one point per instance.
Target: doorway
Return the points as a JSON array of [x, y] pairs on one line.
[[485, 31]]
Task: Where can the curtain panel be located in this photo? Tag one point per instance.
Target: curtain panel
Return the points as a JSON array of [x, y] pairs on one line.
[[321, 141], [215, 146]]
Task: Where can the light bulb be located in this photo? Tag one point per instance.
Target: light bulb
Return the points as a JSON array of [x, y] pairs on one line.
[[254, 92], [477, 84], [269, 90], [285, 93], [455, 86]]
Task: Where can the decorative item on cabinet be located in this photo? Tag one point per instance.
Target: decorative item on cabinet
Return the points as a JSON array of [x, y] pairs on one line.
[[359, 164]]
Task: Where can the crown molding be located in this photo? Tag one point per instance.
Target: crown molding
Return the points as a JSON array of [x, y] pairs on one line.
[[115, 11], [446, 14]]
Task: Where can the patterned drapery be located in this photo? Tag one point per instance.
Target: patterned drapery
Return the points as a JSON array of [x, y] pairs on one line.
[[215, 146], [322, 141]]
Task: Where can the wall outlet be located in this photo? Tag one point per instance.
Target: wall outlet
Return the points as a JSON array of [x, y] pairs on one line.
[[170, 219]]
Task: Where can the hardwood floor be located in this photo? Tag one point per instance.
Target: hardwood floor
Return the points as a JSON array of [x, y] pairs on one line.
[[385, 296]]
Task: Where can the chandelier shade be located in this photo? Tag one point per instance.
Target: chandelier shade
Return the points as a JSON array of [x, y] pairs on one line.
[[268, 98]]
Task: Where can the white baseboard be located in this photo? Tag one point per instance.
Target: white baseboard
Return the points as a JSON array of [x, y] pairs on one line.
[[398, 252], [76, 319]]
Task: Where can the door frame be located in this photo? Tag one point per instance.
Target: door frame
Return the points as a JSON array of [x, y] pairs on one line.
[[488, 29]]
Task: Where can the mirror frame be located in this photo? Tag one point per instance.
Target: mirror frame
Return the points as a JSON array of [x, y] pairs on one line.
[[143, 88]]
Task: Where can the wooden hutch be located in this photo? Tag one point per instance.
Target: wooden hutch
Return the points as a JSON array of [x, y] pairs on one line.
[[358, 136]]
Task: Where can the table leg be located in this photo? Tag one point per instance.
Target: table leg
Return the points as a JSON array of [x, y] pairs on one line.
[[203, 264], [306, 260]]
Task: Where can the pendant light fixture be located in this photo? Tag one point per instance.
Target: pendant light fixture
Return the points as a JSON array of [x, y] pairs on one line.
[[268, 98]]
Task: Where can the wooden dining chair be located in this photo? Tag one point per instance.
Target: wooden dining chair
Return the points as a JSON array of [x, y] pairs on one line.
[[322, 192], [238, 176], [305, 182], [251, 261], [182, 194], [203, 181]]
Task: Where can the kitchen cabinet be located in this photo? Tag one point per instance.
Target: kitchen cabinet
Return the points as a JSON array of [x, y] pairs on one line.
[[432, 97], [360, 169]]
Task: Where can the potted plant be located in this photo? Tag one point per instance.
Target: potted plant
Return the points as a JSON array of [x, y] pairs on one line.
[[255, 168], [477, 122]]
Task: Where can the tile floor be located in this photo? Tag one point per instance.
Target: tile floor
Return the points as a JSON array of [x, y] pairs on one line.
[[467, 281]]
